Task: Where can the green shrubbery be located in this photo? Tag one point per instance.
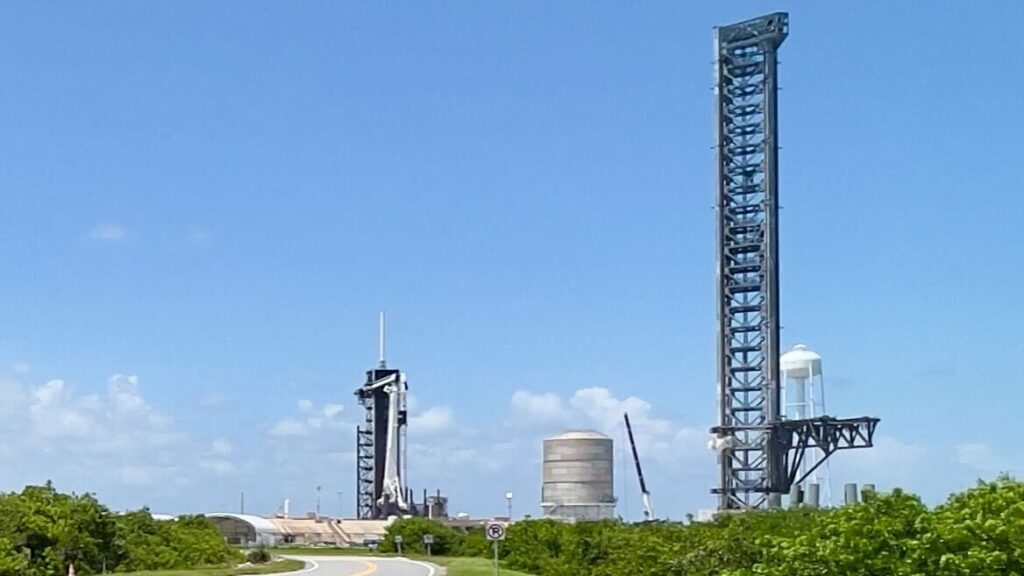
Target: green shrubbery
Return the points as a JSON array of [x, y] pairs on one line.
[[258, 555], [979, 532], [42, 531], [447, 542]]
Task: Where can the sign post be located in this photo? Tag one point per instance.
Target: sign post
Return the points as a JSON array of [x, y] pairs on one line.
[[428, 539], [398, 543], [495, 533]]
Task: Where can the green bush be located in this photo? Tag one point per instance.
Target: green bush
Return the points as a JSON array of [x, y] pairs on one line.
[[979, 532], [446, 540], [258, 555], [878, 536], [43, 531], [189, 541], [473, 543]]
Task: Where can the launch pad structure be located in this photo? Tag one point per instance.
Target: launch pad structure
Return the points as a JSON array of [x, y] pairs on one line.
[[760, 453], [380, 442]]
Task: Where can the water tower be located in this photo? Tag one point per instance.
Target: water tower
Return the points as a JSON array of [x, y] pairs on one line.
[[803, 397]]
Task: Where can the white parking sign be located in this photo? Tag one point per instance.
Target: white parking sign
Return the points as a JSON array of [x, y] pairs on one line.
[[495, 531]]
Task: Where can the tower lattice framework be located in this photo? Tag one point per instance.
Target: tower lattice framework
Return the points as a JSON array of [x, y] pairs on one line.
[[748, 283], [759, 452]]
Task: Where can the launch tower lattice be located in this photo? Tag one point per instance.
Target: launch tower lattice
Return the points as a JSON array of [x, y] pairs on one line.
[[759, 453], [380, 443]]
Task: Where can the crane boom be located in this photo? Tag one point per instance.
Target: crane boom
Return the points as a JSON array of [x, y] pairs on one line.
[[648, 509]]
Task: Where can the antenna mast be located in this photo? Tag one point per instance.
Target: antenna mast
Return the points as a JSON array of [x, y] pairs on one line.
[[383, 362]]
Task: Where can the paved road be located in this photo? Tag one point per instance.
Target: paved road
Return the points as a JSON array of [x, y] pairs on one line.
[[363, 566]]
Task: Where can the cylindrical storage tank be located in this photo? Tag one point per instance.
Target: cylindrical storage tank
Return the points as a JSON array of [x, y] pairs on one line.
[[800, 363], [813, 497], [578, 476], [850, 492]]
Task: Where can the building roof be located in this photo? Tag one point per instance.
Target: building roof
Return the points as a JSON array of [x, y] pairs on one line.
[[261, 525], [304, 525]]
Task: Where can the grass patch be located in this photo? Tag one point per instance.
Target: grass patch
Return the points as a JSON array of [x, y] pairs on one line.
[[272, 568]]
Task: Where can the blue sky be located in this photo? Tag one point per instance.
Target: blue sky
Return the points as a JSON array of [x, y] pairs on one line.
[[204, 206]]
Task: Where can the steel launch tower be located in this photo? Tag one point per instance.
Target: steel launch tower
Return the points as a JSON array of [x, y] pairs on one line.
[[759, 452], [380, 442]]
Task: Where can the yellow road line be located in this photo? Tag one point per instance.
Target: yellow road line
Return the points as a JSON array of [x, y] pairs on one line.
[[370, 569]]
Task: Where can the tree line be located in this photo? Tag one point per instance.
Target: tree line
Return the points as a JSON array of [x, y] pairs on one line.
[[978, 532], [43, 531]]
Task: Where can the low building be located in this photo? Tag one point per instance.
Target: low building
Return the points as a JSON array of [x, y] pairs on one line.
[[248, 530]]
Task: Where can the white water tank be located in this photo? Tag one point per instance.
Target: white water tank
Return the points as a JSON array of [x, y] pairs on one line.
[[803, 397], [800, 363], [578, 476]]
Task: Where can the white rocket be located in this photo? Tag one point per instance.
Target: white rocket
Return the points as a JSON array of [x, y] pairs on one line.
[[393, 488]]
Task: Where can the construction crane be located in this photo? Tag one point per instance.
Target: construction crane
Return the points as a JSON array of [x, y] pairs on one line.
[[648, 510]]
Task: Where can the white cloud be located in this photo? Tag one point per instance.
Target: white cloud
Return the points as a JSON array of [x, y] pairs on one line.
[[218, 466], [530, 408], [212, 400], [54, 415], [107, 233], [439, 460], [151, 475], [111, 441], [606, 411], [890, 462], [431, 421], [124, 392], [671, 444], [289, 427], [599, 409], [221, 447], [135, 475], [977, 456], [311, 419]]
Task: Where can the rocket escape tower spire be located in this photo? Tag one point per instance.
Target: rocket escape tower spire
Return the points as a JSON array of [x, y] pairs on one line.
[[759, 452]]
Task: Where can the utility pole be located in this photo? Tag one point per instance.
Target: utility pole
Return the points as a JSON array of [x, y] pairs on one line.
[[318, 488], [341, 506], [508, 496]]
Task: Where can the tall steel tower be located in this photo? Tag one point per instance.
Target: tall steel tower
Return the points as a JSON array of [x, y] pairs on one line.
[[757, 449], [380, 442]]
